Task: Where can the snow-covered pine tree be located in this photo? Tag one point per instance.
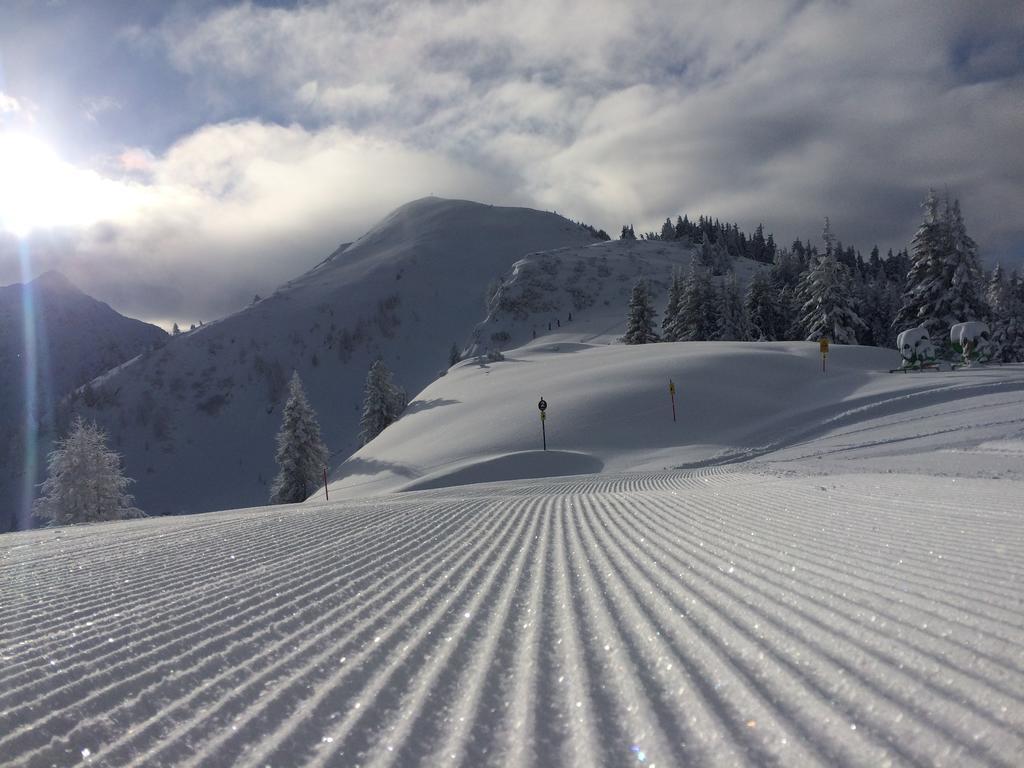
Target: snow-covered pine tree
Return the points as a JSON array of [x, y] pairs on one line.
[[668, 231], [682, 228], [766, 314], [85, 483], [301, 454], [792, 306], [944, 282], [1015, 333], [715, 256], [640, 321], [698, 313], [966, 300], [383, 402], [671, 328], [827, 303], [924, 287], [879, 303], [732, 314], [1006, 318], [707, 251]]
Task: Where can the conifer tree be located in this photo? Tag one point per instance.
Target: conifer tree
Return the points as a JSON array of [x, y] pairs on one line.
[[732, 314], [1006, 318], [383, 402], [1015, 311], [793, 308], [827, 305], [640, 322], [698, 313], [301, 453], [879, 304], [668, 231], [454, 355], [85, 483], [765, 312], [944, 282], [965, 299], [671, 327]]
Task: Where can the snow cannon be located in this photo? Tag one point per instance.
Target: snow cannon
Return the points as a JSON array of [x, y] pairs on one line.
[[972, 340], [915, 347]]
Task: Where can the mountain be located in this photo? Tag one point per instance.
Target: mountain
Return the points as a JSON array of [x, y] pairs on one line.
[[196, 419], [68, 339]]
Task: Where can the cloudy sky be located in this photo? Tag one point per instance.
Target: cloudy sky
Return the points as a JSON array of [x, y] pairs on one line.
[[176, 158]]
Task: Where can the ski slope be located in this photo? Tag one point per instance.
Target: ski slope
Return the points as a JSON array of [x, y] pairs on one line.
[[805, 569], [717, 617], [609, 410]]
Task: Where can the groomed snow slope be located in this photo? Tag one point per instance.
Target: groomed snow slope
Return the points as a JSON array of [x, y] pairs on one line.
[[707, 618], [735, 402]]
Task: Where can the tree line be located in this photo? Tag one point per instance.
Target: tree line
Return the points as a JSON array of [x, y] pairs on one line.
[[807, 294]]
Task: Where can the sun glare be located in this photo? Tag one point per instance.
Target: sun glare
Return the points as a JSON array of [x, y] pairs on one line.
[[38, 190]]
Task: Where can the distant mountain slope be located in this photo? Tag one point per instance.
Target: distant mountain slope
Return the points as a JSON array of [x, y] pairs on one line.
[[76, 338], [196, 420]]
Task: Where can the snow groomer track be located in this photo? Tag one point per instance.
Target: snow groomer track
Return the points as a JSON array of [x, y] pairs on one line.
[[715, 618]]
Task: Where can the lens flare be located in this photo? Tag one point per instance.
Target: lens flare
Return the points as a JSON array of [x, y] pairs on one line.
[[30, 369]]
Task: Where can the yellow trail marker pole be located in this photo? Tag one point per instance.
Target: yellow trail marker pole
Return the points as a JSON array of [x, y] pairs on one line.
[[823, 346]]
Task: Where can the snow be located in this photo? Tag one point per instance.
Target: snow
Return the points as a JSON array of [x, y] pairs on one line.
[[972, 330], [713, 617], [735, 402], [915, 345], [835, 579]]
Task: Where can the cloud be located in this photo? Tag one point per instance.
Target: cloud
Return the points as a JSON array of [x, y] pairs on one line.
[[778, 111], [232, 210], [94, 107]]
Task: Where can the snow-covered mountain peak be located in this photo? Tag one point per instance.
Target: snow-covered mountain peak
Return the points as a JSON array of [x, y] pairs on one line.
[[206, 407]]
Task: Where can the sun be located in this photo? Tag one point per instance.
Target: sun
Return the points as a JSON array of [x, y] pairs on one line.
[[27, 168], [39, 190]]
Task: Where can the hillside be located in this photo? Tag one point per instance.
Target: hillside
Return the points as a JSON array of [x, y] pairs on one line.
[[72, 338], [583, 293], [609, 408], [839, 585], [196, 420]]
